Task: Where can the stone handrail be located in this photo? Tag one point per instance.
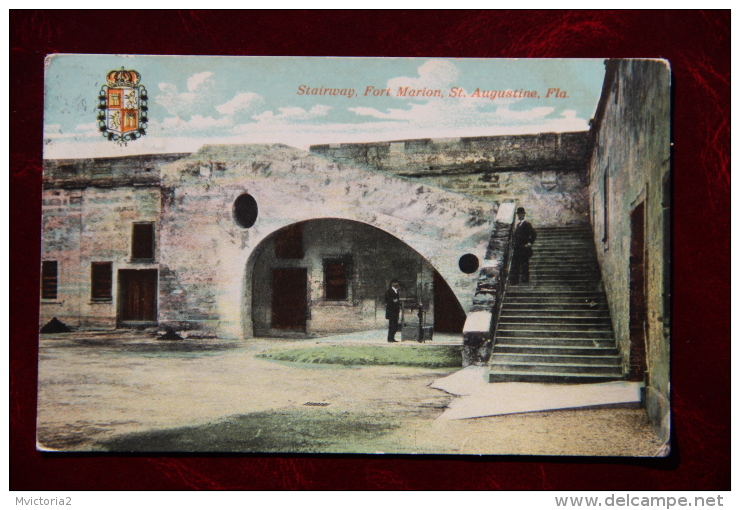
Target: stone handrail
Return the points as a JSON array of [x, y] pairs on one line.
[[482, 321]]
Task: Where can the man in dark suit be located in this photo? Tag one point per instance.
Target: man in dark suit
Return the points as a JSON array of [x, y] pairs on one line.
[[392, 309], [524, 237]]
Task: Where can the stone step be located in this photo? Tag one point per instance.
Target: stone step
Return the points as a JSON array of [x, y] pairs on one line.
[[506, 358], [581, 244], [573, 368], [584, 242], [555, 275], [536, 282], [580, 328], [553, 321], [561, 256], [582, 252], [540, 274], [549, 377], [582, 248], [546, 261], [555, 282], [555, 303], [549, 264], [555, 341], [538, 270], [519, 291], [506, 348], [555, 307], [568, 280], [539, 252], [554, 288], [572, 332], [562, 272], [555, 313], [564, 231]]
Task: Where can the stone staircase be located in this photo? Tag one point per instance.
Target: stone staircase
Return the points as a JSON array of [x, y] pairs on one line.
[[557, 327]]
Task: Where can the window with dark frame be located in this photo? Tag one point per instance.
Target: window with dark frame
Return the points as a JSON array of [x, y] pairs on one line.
[[49, 279], [101, 281], [336, 278], [142, 244]]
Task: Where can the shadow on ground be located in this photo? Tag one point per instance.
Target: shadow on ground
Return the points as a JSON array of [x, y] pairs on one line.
[[313, 430]]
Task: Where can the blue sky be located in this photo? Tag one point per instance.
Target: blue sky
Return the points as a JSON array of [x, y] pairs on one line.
[[198, 100]]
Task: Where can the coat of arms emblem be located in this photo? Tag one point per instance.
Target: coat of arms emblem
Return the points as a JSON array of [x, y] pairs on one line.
[[122, 105]]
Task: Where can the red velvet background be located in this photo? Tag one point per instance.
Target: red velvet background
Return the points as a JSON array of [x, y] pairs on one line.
[[696, 43]]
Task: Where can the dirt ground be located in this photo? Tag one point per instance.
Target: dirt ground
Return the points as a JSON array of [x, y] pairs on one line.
[[127, 391]]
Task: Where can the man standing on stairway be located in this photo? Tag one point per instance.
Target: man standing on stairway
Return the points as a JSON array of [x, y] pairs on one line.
[[524, 237], [392, 309]]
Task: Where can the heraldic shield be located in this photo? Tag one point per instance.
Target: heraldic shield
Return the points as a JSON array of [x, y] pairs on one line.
[[122, 105]]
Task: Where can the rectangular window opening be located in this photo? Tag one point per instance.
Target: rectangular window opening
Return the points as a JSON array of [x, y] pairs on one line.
[[142, 246], [101, 276], [336, 278], [49, 279]]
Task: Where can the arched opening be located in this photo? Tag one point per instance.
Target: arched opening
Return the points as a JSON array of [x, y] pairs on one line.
[[329, 275]]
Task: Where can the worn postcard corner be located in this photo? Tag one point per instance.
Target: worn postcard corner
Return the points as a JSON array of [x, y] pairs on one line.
[[355, 255]]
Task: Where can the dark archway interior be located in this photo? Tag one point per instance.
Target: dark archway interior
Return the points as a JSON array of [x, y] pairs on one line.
[[344, 268], [449, 317]]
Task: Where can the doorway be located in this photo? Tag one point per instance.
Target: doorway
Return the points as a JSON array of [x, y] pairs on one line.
[[289, 299], [449, 316], [638, 301], [137, 295]]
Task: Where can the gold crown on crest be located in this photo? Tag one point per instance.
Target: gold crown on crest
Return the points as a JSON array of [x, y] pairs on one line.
[[123, 78]]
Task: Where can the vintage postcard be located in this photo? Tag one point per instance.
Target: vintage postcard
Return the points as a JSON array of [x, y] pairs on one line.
[[355, 255]]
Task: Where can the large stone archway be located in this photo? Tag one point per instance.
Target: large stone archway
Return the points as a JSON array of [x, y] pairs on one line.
[[209, 236]]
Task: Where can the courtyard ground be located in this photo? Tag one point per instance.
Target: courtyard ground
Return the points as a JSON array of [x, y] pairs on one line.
[[126, 391]]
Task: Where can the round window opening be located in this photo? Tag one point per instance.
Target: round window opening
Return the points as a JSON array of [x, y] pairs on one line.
[[245, 210], [468, 263]]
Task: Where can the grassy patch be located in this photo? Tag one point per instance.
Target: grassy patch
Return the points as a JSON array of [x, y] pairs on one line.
[[427, 356]]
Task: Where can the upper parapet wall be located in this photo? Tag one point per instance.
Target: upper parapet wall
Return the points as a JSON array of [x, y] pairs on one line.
[[106, 172], [430, 157]]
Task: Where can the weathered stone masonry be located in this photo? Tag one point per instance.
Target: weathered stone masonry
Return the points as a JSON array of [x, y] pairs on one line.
[[630, 182], [89, 207], [205, 261], [210, 260], [545, 172]]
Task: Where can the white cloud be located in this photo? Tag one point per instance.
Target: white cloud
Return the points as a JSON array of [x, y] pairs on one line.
[[393, 113], [87, 130], [198, 79], [241, 101], [433, 74], [293, 113], [506, 115], [198, 100], [199, 123], [88, 126]]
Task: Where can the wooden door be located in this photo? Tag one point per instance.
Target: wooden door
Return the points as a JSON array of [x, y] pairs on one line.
[[137, 295], [289, 299], [638, 301]]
